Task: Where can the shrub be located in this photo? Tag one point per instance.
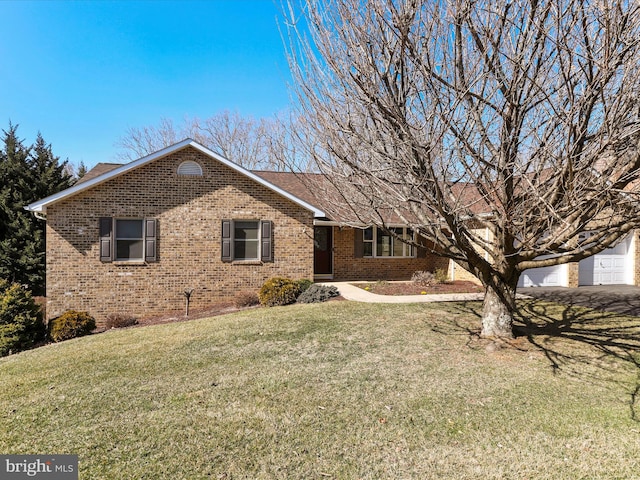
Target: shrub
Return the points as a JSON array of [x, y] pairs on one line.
[[120, 320], [318, 293], [21, 323], [71, 324], [278, 291], [441, 275], [303, 284], [423, 278], [246, 298], [428, 279]]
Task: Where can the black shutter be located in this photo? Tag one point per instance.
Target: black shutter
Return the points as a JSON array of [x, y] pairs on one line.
[[266, 241], [106, 239], [227, 241], [150, 240], [358, 244]]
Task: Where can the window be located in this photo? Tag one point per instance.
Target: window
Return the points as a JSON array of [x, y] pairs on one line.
[[246, 240], [381, 243], [367, 238], [128, 239]]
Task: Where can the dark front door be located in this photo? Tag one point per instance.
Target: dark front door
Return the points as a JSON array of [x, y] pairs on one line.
[[323, 250]]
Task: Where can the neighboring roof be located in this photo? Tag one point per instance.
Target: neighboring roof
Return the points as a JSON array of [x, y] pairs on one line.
[[98, 170], [106, 173]]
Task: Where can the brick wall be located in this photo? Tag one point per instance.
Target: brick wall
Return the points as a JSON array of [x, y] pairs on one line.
[[189, 211], [573, 271], [346, 267]]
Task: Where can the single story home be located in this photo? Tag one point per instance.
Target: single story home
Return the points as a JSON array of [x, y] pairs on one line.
[[133, 238]]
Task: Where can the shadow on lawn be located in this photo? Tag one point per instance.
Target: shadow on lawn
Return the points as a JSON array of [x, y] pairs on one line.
[[561, 331]]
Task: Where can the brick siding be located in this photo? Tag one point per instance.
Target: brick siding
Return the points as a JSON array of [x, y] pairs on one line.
[[189, 211], [346, 267]]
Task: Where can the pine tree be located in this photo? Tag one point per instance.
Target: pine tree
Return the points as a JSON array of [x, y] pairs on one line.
[[49, 174], [82, 170], [28, 174]]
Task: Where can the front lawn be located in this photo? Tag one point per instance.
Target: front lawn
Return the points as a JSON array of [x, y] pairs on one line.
[[339, 390]]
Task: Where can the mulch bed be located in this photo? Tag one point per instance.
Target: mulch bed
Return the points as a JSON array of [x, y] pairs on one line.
[[410, 288]]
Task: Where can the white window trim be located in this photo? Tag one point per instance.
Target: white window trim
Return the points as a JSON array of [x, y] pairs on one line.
[[374, 242]]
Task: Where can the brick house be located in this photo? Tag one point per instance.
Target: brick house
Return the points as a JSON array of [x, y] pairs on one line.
[[132, 238]]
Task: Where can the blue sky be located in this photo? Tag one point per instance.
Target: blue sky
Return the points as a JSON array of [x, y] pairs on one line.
[[82, 72]]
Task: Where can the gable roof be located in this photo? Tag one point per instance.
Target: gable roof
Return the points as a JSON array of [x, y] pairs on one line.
[[107, 171]]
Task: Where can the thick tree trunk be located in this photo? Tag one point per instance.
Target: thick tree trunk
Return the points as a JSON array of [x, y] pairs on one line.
[[497, 311]]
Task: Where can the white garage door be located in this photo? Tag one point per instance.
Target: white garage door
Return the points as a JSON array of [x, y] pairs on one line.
[[555, 276], [609, 267]]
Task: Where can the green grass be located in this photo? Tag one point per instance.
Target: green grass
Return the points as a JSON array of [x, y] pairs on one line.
[[337, 390]]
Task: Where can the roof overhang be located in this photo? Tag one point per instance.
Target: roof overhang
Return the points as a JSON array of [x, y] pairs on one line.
[[40, 207]]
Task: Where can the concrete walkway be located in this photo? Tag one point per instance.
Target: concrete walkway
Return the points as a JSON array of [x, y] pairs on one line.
[[351, 292]]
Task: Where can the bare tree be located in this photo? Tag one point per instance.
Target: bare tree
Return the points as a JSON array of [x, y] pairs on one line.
[[515, 117], [244, 140], [139, 142]]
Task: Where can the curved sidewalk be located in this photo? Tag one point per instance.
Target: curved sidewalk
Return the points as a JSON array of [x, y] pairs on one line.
[[351, 292]]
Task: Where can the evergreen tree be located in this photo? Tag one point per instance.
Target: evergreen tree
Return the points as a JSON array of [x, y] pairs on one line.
[[28, 174], [49, 174], [82, 170]]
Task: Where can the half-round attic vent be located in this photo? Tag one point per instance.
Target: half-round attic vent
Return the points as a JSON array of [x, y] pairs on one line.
[[190, 168]]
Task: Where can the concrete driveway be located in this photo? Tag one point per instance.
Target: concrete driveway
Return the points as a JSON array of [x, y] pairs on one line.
[[623, 299]]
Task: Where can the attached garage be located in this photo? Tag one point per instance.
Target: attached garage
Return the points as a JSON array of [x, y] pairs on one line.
[[555, 276], [613, 266]]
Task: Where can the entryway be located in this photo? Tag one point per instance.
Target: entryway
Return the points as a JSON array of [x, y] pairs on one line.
[[323, 252]]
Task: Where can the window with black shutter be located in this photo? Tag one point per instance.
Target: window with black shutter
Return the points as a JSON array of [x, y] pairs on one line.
[[128, 239], [247, 240]]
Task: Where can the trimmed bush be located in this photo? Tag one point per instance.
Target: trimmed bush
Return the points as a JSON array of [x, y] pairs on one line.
[[278, 291], [303, 284], [71, 324], [21, 323], [318, 294], [120, 320], [246, 298]]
